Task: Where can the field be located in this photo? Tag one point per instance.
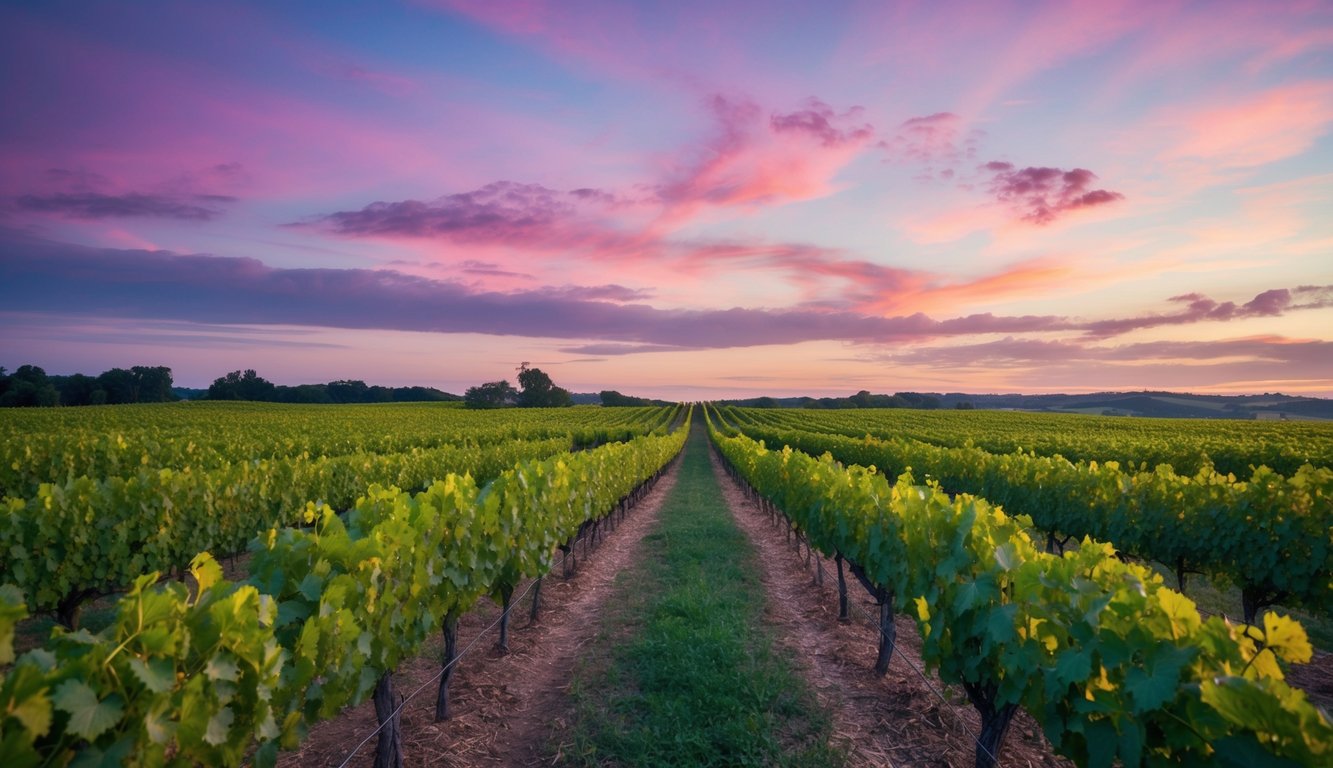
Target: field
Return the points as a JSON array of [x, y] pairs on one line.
[[214, 583]]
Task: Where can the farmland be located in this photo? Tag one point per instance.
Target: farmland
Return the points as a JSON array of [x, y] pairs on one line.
[[1034, 564]]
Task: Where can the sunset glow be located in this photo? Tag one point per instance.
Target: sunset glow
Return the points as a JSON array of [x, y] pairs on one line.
[[681, 200]]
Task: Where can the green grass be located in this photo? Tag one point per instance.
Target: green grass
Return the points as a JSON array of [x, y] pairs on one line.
[[684, 672]]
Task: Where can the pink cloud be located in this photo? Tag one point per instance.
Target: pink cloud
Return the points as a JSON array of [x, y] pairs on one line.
[[936, 139], [1258, 129], [1026, 278], [46, 277], [750, 161], [1018, 353], [138, 116], [1042, 195], [816, 120]]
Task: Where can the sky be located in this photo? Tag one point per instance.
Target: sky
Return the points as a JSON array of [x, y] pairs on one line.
[[682, 200]]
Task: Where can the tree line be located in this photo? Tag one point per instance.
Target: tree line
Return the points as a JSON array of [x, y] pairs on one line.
[[862, 399], [30, 386], [248, 385]]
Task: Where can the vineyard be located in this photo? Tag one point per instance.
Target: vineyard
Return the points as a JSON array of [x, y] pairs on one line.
[[1021, 547]]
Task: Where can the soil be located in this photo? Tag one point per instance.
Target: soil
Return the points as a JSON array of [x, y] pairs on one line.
[[503, 706]]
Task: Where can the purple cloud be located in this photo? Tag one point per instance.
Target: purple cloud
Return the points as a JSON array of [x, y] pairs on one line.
[[488, 269], [503, 213], [1246, 355], [47, 277], [1197, 308], [934, 139], [817, 120], [1044, 194], [498, 212], [95, 205], [611, 349]]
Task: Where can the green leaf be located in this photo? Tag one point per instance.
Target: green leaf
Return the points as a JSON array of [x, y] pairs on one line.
[[1131, 741], [1243, 751], [311, 586], [966, 596], [12, 611], [221, 668], [1102, 739], [88, 717], [159, 726], [1072, 666], [157, 675], [1000, 624], [1158, 680], [112, 757], [218, 726], [25, 698]]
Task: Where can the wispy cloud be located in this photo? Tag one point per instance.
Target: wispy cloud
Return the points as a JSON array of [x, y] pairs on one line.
[[94, 205], [1198, 308], [934, 140], [500, 212], [1268, 362], [748, 160], [43, 276], [54, 277], [817, 121], [1250, 130]]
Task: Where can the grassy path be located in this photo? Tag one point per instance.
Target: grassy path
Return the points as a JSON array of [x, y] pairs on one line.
[[684, 671]]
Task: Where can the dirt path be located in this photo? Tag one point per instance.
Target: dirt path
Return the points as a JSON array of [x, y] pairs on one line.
[[894, 720], [502, 706]]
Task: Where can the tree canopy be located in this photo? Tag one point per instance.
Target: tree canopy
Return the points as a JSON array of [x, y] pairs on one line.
[[31, 386], [492, 394], [536, 390], [242, 385]]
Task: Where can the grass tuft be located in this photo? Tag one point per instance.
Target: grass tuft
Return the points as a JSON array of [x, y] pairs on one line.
[[684, 671]]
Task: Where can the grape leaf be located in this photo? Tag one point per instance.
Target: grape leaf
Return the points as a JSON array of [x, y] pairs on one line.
[[88, 717]]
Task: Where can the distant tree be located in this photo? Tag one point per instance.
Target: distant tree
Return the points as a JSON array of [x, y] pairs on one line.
[[78, 389], [238, 385], [27, 387], [346, 391], [964, 405], [538, 391], [421, 394], [917, 400], [152, 384], [305, 393], [766, 402], [613, 399], [121, 386], [492, 394]]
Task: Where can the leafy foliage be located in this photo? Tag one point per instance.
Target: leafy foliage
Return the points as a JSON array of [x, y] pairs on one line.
[[1111, 663], [225, 672]]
